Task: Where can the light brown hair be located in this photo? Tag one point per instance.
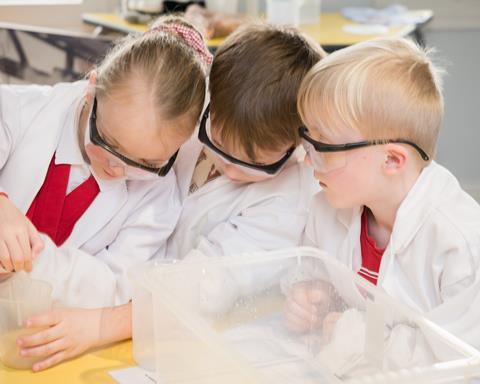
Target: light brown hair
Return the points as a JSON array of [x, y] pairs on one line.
[[254, 82], [170, 69]]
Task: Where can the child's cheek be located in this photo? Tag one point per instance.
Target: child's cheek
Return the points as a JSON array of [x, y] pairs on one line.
[[96, 154]]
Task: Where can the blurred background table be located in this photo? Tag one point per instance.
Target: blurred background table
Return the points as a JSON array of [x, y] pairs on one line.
[[329, 32]]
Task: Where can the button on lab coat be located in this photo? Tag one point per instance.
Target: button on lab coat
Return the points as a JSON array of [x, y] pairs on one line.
[[128, 222], [432, 261]]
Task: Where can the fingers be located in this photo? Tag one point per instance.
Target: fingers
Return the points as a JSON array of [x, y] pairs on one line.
[[302, 310], [36, 242], [317, 296], [300, 318], [16, 254], [18, 238], [329, 325], [5, 257], [298, 324], [306, 305], [300, 295], [45, 350], [25, 249], [320, 298], [47, 319], [41, 338], [50, 361], [300, 315]]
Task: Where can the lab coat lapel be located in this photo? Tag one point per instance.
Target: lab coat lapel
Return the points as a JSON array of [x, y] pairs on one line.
[[32, 175], [424, 196], [349, 253], [105, 206], [417, 205], [349, 250], [214, 186], [48, 127], [185, 164]]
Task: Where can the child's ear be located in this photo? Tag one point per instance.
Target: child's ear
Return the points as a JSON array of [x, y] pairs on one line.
[[395, 158], [92, 82]]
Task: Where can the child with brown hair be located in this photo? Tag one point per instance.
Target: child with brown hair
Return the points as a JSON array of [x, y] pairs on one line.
[[241, 184]]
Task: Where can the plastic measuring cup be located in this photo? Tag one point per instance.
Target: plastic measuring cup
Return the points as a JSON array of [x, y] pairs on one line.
[[20, 298]]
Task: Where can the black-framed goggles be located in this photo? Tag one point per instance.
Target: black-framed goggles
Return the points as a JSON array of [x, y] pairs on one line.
[[203, 136], [97, 139]]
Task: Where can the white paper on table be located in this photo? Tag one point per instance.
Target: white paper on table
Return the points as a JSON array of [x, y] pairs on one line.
[[394, 14], [133, 375], [365, 29]]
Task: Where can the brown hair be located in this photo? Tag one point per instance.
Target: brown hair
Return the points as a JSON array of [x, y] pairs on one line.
[[171, 70], [254, 82]]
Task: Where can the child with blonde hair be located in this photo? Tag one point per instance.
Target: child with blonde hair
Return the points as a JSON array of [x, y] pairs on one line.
[[372, 114]]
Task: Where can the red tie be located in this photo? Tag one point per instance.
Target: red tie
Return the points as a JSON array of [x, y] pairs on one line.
[[55, 213]]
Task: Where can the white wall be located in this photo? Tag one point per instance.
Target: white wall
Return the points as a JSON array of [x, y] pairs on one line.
[[57, 16], [459, 144]]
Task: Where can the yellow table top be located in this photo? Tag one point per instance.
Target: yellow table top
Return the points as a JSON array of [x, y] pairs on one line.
[[90, 368], [329, 32]]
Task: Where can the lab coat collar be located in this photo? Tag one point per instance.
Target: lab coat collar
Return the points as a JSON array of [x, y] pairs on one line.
[[348, 216], [432, 185], [68, 148], [105, 206], [185, 163]]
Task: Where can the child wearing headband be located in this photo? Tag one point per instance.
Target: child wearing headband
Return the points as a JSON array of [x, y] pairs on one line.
[[89, 166]]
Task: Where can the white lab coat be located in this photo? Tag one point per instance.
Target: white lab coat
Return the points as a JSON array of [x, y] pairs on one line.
[[227, 218], [224, 218], [432, 261], [128, 222]]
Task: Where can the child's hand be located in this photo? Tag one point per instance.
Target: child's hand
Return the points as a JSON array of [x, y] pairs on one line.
[[4, 276], [70, 333], [306, 306], [20, 242], [329, 325]]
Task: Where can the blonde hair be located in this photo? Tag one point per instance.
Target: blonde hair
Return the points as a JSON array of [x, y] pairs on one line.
[[254, 81], [384, 89], [172, 71]]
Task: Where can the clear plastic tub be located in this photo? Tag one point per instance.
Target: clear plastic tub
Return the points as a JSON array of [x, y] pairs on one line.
[[20, 298], [220, 320]]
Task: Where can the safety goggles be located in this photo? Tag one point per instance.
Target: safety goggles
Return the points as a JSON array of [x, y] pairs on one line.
[[330, 157], [205, 136], [133, 169]]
